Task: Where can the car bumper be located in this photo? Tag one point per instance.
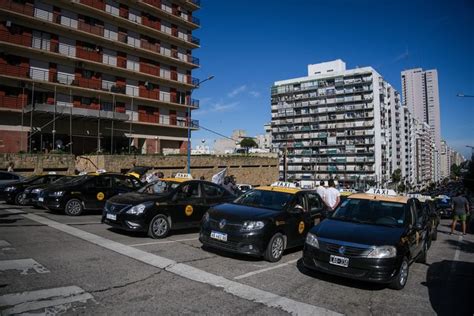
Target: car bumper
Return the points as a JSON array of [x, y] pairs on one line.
[[8, 196], [125, 221], [248, 243], [52, 203], [364, 269]]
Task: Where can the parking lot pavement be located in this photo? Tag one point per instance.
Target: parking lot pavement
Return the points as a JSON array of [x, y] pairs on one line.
[[445, 281]]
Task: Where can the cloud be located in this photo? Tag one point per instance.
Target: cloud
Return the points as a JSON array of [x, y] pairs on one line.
[[218, 107], [237, 91], [255, 94], [402, 56]]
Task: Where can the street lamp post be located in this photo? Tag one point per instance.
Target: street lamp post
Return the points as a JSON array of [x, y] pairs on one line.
[[198, 84]]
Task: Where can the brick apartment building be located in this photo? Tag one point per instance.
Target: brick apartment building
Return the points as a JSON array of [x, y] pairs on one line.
[[97, 75]]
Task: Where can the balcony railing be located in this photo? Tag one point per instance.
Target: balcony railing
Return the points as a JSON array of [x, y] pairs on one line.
[[195, 40], [26, 8], [18, 39], [92, 83], [13, 102]]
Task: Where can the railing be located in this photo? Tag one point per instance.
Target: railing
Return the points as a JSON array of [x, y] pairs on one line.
[[13, 102], [195, 103], [196, 2], [98, 4], [88, 55], [92, 83], [23, 8], [194, 19], [18, 39], [195, 40]]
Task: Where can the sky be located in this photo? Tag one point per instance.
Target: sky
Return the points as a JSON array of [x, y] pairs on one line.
[[248, 45]]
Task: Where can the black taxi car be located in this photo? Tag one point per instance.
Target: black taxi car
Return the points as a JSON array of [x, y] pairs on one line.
[[164, 205], [31, 194], [13, 193], [262, 222], [370, 237], [87, 192]]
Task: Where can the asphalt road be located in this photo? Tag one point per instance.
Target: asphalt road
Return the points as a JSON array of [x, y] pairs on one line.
[[51, 263]]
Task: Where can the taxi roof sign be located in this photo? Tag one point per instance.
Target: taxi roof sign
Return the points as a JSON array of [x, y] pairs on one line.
[[182, 175], [380, 191], [282, 184], [101, 171]]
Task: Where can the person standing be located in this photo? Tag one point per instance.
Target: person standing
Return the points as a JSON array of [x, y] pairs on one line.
[[461, 209], [10, 166], [321, 190], [332, 195]]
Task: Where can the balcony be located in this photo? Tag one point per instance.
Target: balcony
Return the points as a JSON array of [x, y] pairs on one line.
[[92, 55], [18, 39], [26, 8], [78, 111], [13, 102], [93, 29]]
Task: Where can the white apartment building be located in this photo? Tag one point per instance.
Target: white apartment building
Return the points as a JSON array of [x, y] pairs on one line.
[[421, 96], [338, 123], [445, 160]]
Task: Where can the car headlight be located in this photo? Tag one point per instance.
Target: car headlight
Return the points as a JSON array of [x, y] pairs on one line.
[[312, 240], [36, 191], [137, 209], [383, 252], [253, 225], [7, 189], [205, 218], [57, 193]]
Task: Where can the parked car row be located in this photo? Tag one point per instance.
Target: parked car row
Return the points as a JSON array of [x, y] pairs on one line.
[[372, 237]]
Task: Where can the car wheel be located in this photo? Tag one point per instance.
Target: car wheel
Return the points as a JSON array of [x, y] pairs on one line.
[[424, 253], [73, 207], [275, 248], [159, 227], [19, 200], [402, 276]]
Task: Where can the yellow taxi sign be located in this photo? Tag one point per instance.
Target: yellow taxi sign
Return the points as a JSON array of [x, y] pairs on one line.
[[279, 189]]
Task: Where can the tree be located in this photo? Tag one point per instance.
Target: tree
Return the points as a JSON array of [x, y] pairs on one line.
[[401, 187], [397, 175], [455, 171], [248, 143]]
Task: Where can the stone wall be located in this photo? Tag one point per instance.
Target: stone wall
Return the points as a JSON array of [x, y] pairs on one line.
[[247, 169], [27, 164]]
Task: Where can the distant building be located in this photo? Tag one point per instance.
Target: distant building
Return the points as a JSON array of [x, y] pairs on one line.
[[228, 146], [339, 123], [264, 141], [445, 160], [421, 96]]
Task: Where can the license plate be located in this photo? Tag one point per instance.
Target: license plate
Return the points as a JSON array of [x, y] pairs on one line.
[[112, 217], [40, 199], [339, 261], [219, 236]]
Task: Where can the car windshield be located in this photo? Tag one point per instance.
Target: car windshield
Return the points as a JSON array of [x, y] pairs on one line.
[[374, 212], [64, 179], [159, 187], [265, 199]]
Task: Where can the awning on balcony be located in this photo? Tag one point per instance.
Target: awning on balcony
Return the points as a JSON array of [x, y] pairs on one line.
[[80, 112]]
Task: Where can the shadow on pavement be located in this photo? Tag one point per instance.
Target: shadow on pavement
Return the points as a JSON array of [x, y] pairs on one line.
[[242, 257], [339, 280], [450, 286]]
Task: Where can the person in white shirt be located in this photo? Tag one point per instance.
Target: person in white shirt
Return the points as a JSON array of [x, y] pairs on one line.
[[332, 195], [321, 190]]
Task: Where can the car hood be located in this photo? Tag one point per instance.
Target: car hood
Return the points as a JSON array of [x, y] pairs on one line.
[[358, 233], [135, 198], [235, 212]]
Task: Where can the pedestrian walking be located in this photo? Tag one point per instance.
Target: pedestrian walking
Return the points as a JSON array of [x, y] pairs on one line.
[[11, 165], [461, 209]]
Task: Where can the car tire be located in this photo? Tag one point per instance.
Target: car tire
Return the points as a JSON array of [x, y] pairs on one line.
[[424, 253], [275, 248], [159, 227], [19, 199], [73, 207], [402, 276]]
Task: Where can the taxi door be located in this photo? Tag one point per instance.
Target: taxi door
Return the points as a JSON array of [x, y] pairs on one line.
[[413, 234], [187, 205], [97, 191], [298, 221]]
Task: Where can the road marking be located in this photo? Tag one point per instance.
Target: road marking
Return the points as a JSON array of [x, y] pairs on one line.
[[24, 265], [452, 269], [191, 273], [161, 242], [34, 300], [246, 275]]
